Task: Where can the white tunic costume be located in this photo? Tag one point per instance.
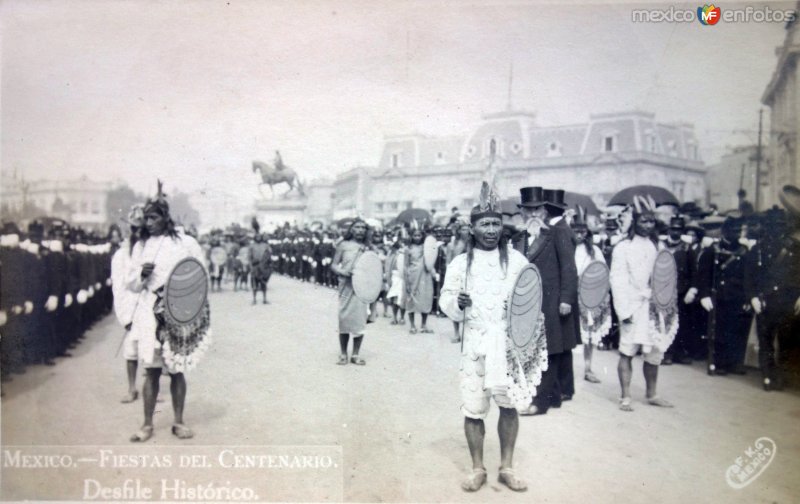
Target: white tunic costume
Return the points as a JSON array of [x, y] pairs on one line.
[[484, 365], [631, 271], [596, 323], [165, 252]]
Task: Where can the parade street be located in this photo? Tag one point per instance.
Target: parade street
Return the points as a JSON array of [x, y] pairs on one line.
[[271, 378]]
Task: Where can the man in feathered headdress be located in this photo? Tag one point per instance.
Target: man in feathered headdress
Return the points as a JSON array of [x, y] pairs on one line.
[[631, 273], [477, 286], [125, 299], [152, 260]]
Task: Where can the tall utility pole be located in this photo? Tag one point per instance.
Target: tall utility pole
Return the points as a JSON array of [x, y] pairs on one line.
[[758, 163], [509, 106]]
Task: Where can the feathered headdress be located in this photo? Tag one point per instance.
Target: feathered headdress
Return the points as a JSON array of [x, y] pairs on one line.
[[488, 200], [159, 203], [644, 204]]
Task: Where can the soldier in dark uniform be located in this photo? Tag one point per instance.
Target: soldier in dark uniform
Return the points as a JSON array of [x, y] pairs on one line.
[[774, 283], [693, 318], [41, 345], [678, 352], [722, 291], [12, 300], [549, 244]]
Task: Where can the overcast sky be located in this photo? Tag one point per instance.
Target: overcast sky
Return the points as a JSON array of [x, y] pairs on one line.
[[194, 91]]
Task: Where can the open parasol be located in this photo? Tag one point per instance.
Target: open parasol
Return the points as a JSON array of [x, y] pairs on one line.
[[659, 194]]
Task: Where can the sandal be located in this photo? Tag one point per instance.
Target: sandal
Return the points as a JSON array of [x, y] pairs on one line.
[[342, 360], [655, 401], [358, 361], [591, 378], [132, 396], [145, 433], [625, 404], [413, 330], [474, 481], [181, 431], [425, 330], [394, 322], [509, 479]]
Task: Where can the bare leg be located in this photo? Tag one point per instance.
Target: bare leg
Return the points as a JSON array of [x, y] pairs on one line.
[[150, 393], [587, 361], [507, 428], [424, 321], [651, 379], [624, 370], [177, 388], [131, 367], [475, 431], [357, 344], [344, 338], [411, 319]]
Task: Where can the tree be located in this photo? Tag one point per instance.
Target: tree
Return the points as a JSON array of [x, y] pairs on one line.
[[119, 202], [182, 210]]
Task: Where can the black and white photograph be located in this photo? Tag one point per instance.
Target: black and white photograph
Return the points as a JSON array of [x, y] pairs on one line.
[[399, 251]]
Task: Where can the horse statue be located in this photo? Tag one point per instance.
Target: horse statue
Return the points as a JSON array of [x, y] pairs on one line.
[[271, 176]]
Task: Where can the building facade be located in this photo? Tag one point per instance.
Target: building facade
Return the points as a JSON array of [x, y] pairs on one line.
[[82, 201], [782, 96], [736, 170], [598, 158]]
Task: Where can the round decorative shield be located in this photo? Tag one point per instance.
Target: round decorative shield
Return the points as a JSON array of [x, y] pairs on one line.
[[368, 276], [665, 280], [430, 251], [593, 285], [185, 291], [524, 306], [219, 256]]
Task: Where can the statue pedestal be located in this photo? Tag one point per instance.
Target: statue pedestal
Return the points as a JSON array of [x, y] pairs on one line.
[[272, 213]]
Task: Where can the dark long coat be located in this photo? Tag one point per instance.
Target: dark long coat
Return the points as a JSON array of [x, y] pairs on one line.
[[553, 253]]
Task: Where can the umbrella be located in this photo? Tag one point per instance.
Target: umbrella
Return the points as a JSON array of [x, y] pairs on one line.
[[659, 194], [411, 214], [573, 199]]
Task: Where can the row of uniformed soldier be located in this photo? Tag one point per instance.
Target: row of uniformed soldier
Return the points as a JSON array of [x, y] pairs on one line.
[[304, 255], [51, 292]]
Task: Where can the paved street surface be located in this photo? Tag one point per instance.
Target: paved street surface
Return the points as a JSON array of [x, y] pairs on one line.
[[271, 379]]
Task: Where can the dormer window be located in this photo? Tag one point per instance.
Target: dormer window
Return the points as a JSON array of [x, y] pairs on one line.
[[553, 149], [395, 160]]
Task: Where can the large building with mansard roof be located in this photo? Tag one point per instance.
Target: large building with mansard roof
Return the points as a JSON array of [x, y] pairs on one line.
[[598, 158]]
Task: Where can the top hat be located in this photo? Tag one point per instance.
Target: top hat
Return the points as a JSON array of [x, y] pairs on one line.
[[677, 223], [555, 198], [9, 228], [790, 199], [531, 197]]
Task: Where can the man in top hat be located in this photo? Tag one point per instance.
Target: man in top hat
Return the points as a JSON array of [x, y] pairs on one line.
[[678, 352], [476, 287], [153, 258], [125, 300], [548, 243]]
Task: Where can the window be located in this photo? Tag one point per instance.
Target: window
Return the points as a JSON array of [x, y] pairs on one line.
[[467, 203], [553, 149], [672, 148], [391, 206], [678, 188], [440, 159], [693, 151], [95, 207], [84, 207], [409, 204], [395, 160], [379, 207], [608, 143], [650, 142]]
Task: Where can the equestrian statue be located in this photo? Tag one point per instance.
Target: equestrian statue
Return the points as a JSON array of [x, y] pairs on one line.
[[276, 174]]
